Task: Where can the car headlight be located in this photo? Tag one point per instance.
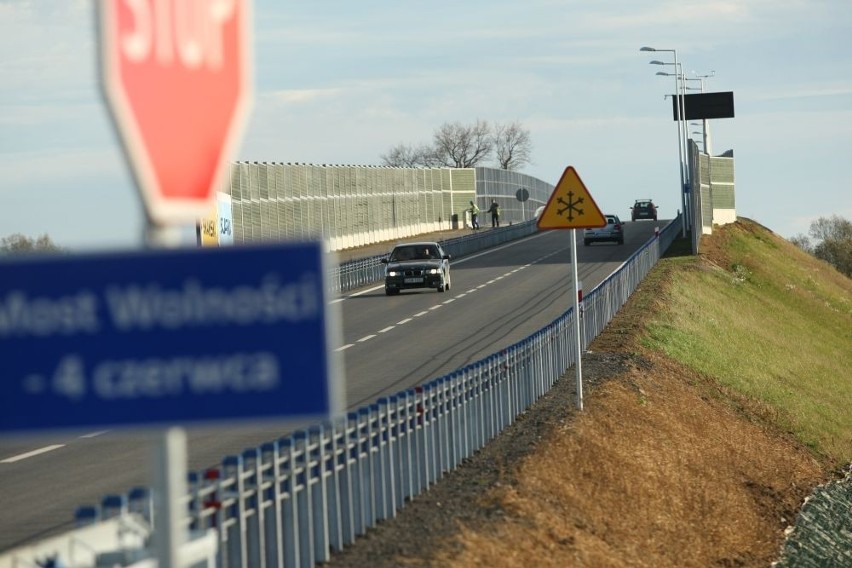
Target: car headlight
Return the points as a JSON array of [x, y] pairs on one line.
[[393, 273], [434, 271]]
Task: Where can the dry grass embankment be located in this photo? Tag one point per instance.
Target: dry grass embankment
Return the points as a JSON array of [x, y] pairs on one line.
[[715, 405]]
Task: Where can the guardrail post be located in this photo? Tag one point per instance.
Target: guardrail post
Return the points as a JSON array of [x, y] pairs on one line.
[[288, 483], [413, 431], [377, 488], [365, 459], [401, 454], [302, 492], [476, 429], [442, 431], [350, 495], [139, 502], [254, 534], [234, 520], [433, 416], [387, 443], [489, 401], [423, 445], [271, 492], [334, 458], [86, 515], [113, 506], [317, 474], [458, 415]]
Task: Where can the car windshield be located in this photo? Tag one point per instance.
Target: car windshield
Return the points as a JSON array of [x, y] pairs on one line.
[[611, 220], [643, 204], [415, 252]]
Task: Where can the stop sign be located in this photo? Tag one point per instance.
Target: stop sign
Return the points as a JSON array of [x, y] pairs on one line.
[[176, 76]]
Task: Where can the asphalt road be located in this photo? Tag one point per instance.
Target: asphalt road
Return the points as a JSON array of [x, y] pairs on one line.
[[389, 343]]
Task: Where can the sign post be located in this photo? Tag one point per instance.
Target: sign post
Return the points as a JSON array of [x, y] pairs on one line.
[[571, 206]]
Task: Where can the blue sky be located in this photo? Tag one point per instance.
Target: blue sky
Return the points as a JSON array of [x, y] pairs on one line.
[[341, 81]]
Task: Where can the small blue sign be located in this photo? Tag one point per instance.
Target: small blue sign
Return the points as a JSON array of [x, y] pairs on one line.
[[166, 337]]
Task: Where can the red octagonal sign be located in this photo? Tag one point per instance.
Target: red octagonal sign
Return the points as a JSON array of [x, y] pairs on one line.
[[176, 76]]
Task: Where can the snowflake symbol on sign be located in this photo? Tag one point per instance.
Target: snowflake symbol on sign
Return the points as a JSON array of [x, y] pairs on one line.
[[570, 206]]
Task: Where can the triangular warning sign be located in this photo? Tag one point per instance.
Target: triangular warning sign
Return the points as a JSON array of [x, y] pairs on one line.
[[571, 206]]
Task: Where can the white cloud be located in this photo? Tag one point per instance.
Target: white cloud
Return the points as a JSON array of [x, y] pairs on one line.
[[59, 167], [300, 96]]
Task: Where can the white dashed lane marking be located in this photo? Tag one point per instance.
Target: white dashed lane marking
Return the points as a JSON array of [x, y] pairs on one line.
[[94, 434], [435, 307]]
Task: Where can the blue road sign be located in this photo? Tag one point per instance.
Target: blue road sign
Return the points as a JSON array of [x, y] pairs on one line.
[[166, 337]]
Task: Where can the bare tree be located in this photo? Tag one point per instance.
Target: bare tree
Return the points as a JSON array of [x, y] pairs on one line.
[[457, 145], [20, 244], [803, 242], [512, 145], [405, 156], [463, 146]]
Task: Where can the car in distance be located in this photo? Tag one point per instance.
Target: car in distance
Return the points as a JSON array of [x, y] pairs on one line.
[[613, 231], [643, 209], [417, 265]]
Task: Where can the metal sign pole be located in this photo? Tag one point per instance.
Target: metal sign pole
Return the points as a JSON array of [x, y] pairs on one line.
[[579, 364], [170, 454], [170, 492]]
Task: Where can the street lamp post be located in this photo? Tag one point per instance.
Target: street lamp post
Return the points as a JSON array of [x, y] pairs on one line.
[[705, 122], [681, 135], [680, 84], [708, 150], [680, 94]]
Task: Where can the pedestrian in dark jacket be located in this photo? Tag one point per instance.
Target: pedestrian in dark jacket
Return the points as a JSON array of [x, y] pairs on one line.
[[495, 213]]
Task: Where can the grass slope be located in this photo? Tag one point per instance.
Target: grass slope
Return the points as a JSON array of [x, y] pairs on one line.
[[717, 400], [771, 322]]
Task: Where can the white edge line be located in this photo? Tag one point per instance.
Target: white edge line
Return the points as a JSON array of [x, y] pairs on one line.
[[345, 347], [406, 320], [366, 338], [43, 450], [421, 314], [387, 329]]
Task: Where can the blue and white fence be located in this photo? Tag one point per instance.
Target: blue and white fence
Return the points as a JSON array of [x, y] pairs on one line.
[[292, 502]]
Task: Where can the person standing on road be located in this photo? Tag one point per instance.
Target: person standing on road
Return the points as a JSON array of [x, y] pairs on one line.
[[474, 215], [495, 213]]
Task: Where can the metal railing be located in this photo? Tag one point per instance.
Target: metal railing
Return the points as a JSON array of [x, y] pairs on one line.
[[293, 501]]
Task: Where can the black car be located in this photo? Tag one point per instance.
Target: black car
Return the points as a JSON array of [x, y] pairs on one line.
[[417, 265], [643, 209]]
